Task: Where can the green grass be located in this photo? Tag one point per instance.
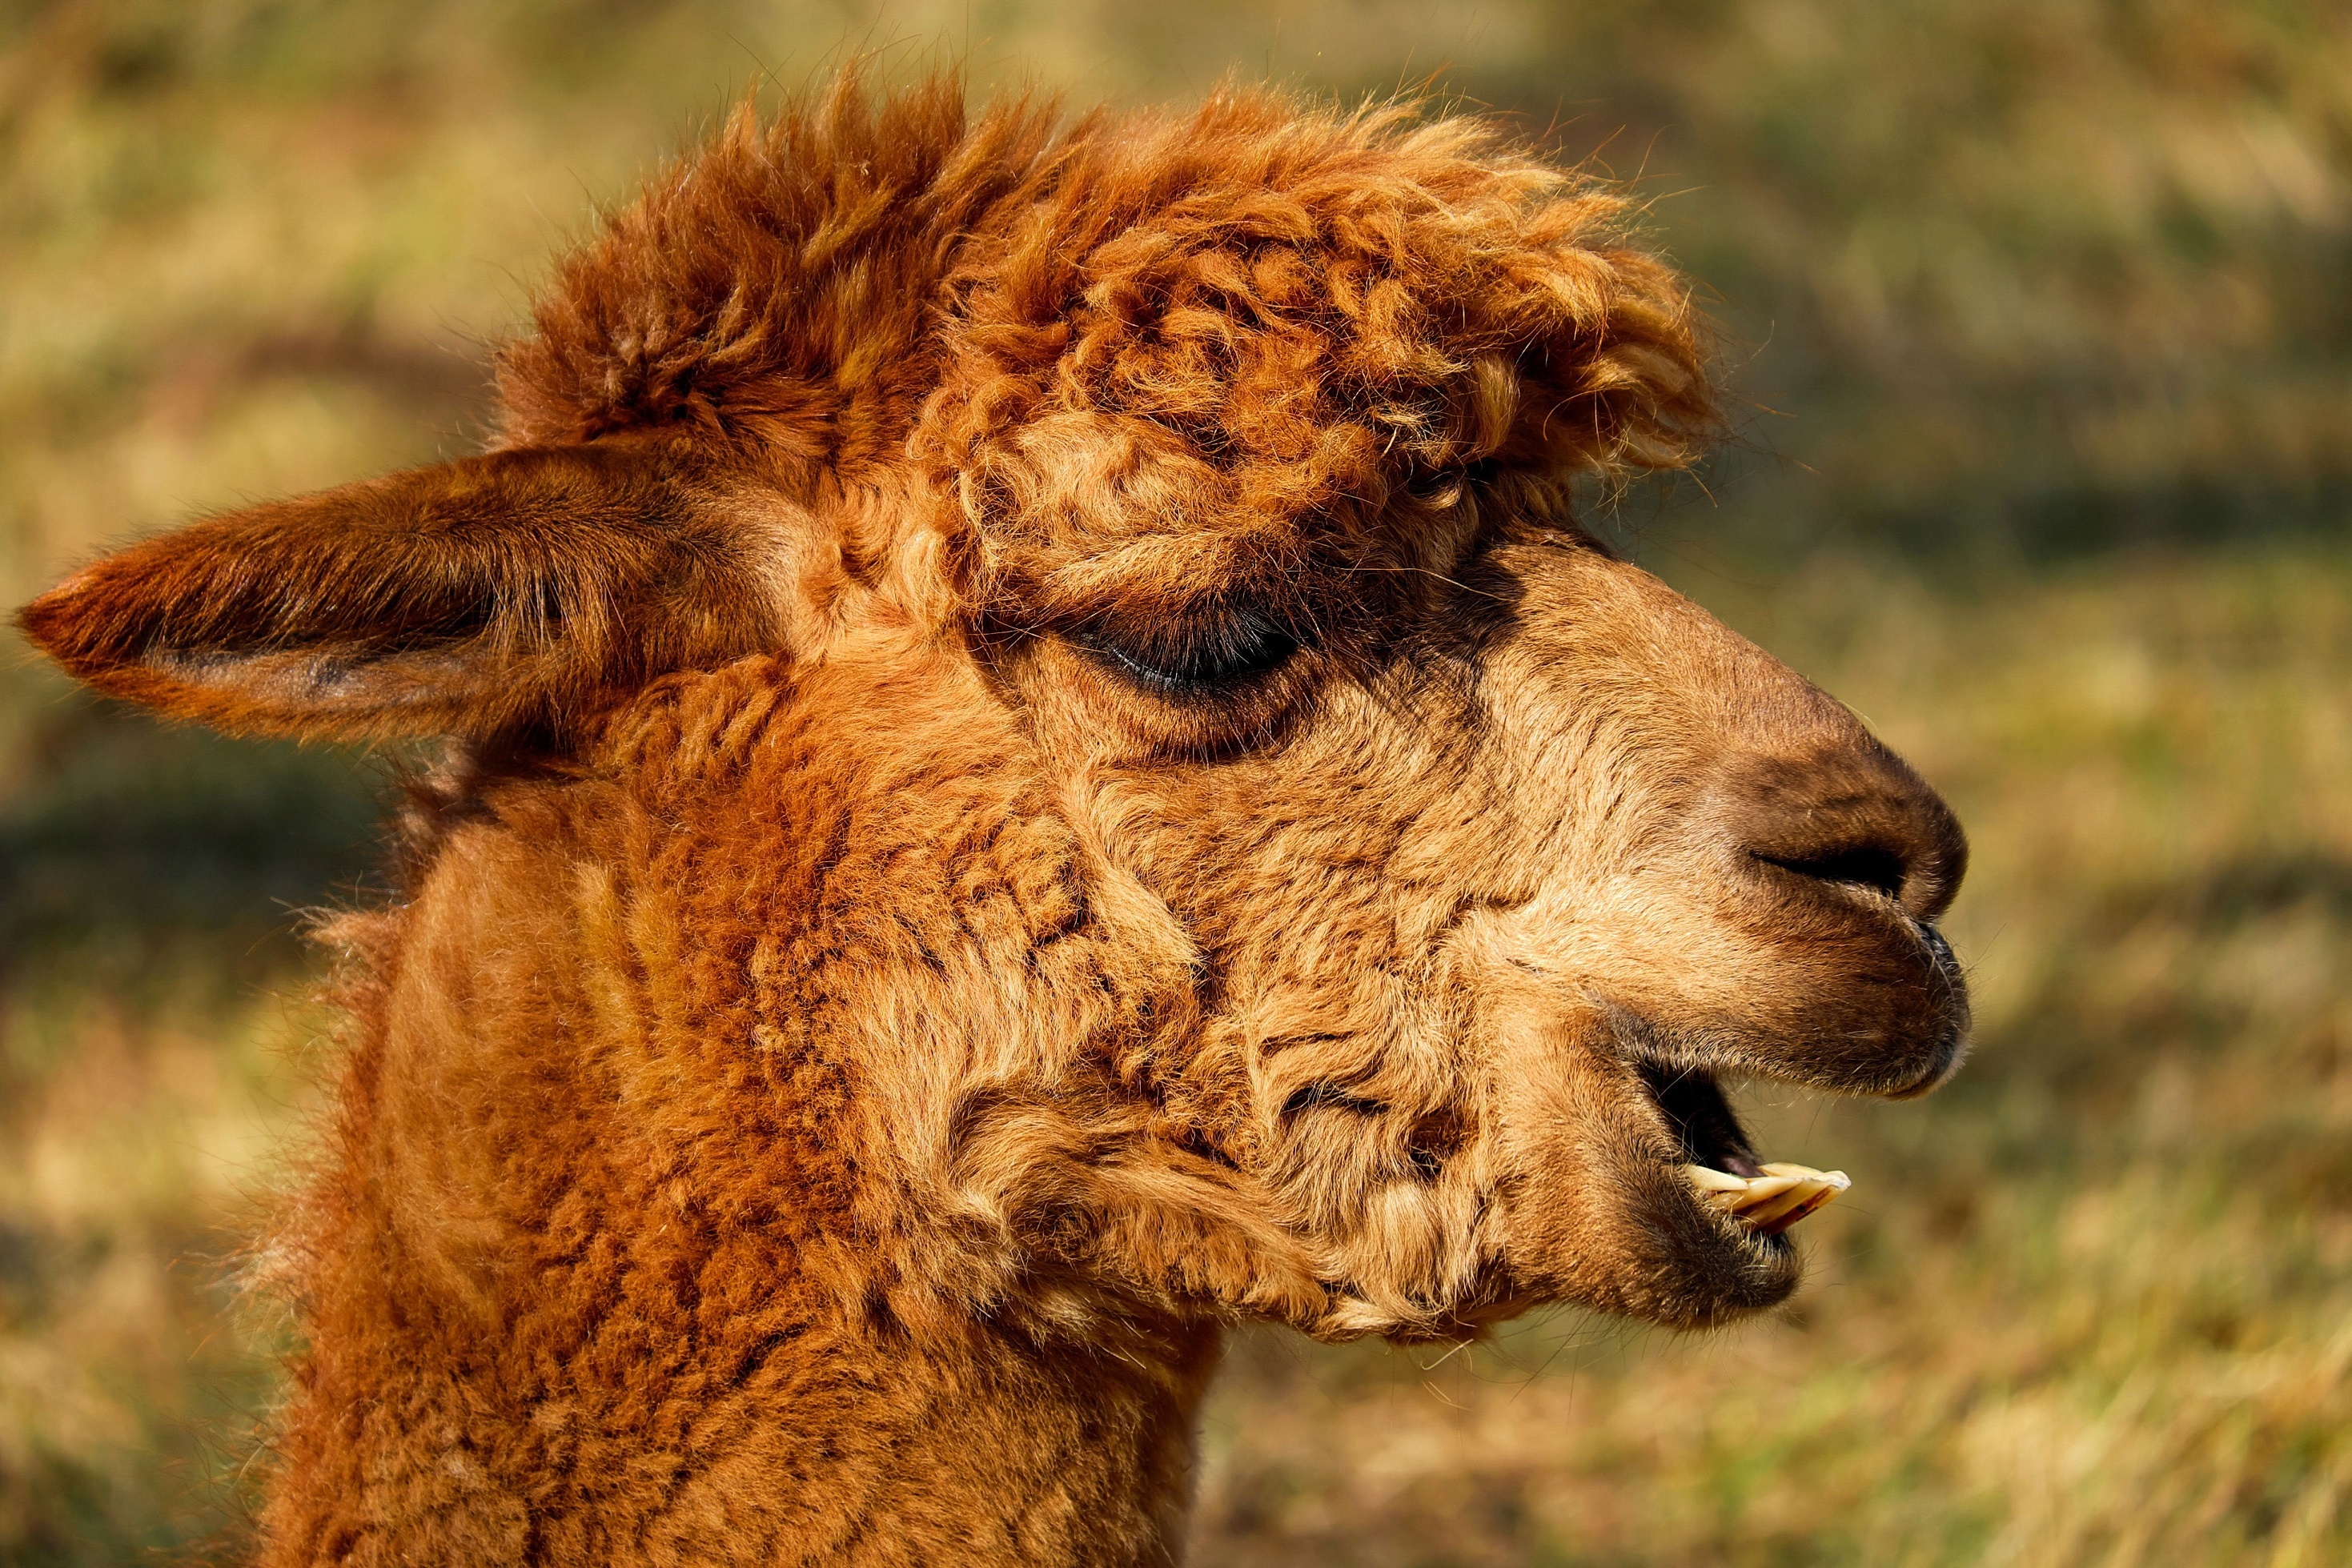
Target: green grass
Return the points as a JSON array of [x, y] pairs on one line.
[[2034, 280]]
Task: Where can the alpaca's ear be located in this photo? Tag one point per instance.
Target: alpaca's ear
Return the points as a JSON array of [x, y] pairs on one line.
[[520, 589]]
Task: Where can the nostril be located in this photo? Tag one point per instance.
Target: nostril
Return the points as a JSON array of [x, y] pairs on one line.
[[1871, 865], [1847, 818]]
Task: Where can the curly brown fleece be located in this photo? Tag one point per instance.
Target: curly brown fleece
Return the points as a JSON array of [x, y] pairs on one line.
[[1041, 768]]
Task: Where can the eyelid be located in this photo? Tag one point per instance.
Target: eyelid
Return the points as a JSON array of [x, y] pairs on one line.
[[1112, 650], [1263, 643]]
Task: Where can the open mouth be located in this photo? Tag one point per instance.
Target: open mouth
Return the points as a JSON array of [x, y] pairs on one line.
[[1721, 1165]]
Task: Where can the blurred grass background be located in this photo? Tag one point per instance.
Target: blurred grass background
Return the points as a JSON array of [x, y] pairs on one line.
[[2040, 316]]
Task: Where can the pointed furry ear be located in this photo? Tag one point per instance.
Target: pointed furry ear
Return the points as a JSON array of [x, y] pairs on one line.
[[520, 589]]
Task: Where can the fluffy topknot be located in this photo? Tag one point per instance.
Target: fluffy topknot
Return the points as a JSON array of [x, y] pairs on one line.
[[1259, 309]]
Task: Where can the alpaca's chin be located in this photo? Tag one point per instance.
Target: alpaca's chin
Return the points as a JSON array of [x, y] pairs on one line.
[[1714, 1218]]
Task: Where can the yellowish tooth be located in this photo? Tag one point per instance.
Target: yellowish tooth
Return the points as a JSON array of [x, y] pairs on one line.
[[1831, 1183], [1769, 1203], [1762, 1190], [1800, 1191]]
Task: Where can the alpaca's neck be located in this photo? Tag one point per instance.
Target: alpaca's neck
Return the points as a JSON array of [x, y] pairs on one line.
[[1000, 1451], [566, 1305], [683, 1426]]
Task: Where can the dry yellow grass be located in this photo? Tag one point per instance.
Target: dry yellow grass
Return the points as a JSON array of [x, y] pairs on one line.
[[2087, 1306]]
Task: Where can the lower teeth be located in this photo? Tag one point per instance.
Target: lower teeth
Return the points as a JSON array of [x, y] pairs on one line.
[[1771, 1203]]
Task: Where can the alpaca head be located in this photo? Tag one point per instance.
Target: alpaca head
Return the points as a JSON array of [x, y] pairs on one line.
[[1168, 517]]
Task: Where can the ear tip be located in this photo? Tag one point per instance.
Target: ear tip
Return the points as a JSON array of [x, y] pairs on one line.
[[95, 639], [61, 623], [48, 621]]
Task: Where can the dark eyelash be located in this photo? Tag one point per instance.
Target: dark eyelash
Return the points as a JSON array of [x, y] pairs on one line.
[[1198, 656]]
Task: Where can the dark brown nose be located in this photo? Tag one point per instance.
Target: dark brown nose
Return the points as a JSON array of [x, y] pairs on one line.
[[1854, 817]]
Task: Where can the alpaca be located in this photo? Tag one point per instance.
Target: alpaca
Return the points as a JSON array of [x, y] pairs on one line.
[[1038, 768]]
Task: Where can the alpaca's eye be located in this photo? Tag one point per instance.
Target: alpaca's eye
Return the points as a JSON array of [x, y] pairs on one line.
[[1191, 656]]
